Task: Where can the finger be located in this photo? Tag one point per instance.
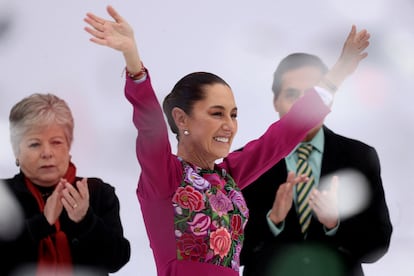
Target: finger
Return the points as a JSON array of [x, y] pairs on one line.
[[314, 204], [325, 201], [96, 25], [288, 191], [94, 18], [364, 45], [114, 14], [317, 201], [352, 33], [59, 188], [303, 178], [68, 205], [73, 195], [291, 177], [97, 38], [83, 188], [300, 179], [360, 35], [94, 32], [367, 36]]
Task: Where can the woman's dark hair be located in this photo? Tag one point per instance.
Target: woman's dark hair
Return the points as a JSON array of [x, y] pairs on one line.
[[186, 92], [295, 61]]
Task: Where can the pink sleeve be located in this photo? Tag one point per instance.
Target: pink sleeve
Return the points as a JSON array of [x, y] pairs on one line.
[[159, 168], [259, 155]]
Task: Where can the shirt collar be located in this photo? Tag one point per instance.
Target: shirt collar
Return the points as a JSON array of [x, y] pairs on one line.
[[317, 142]]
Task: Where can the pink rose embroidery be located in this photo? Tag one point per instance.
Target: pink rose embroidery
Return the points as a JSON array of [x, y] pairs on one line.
[[238, 200], [220, 203], [220, 242], [189, 198]]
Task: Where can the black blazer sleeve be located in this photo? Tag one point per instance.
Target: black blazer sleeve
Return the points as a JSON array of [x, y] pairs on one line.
[[98, 240]]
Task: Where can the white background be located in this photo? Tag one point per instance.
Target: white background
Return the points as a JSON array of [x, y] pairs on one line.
[[43, 48]]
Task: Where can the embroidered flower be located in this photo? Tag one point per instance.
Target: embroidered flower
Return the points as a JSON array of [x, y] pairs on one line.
[[235, 263], [238, 200], [209, 217], [220, 242], [236, 227], [215, 180], [189, 198], [198, 182], [200, 224], [191, 247], [220, 203]]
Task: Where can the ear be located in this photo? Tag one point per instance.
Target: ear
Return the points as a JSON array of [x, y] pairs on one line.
[[276, 104], [180, 117]]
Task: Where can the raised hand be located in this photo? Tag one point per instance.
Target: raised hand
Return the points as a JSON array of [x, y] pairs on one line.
[[353, 50], [352, 53], [117, 34], [284, 198]]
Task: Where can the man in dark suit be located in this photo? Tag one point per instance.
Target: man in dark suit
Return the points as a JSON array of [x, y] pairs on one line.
[[350, 222]]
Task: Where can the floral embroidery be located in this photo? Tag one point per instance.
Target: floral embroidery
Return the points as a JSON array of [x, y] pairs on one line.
[[236, 226], [210, 215], [215, 180], [238, 199], [200, 224], [220, 203], [220, 242], [189, 198], [191, 176], [191, 247]]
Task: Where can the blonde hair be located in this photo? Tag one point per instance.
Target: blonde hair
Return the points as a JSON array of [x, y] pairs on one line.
[[38, 110]]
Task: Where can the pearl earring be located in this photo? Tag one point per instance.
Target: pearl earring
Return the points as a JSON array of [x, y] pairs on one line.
[[186, 133]]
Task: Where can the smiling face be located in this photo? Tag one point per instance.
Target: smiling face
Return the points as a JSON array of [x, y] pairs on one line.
[[212, 125], [294, 83], [44, 155]]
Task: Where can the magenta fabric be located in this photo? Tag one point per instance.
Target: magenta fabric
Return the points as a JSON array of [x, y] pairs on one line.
[[162, 172]]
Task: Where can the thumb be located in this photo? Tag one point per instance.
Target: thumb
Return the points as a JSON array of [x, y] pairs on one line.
[[114, 14]]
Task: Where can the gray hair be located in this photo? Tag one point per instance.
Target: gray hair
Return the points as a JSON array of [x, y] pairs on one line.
[[38, 110]]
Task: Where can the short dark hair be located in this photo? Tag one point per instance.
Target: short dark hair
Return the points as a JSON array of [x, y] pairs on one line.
[[186, 92], [295, 61]]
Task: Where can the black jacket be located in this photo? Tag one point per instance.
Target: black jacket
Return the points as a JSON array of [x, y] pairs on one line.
[[361, 238], [97, 243]]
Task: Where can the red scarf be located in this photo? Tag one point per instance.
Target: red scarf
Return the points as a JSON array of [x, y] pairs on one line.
[[54, 251]]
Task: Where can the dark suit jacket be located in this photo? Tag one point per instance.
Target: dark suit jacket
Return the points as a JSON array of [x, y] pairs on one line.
[[361, 238], [97, 243]]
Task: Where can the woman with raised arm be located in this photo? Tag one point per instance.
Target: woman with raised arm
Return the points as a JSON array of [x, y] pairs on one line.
[[193, 209]]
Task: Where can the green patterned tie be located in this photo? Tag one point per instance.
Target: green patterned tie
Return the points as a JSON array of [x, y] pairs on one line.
[[303, 188]]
